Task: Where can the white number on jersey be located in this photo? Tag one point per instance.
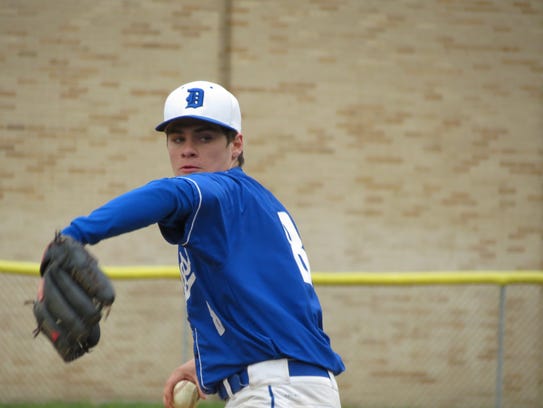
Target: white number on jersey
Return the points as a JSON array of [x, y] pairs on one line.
[[186, 274], [296, 245]]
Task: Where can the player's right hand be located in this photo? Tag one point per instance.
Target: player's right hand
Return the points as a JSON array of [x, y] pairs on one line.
[[186, 371]]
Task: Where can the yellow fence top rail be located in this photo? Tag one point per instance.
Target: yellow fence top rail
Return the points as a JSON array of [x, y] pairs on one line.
[[324, 278]]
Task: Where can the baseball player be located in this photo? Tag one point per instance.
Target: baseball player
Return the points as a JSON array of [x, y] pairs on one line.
[[255, 318]]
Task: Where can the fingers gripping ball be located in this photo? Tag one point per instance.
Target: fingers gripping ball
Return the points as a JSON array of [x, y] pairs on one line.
[[185, 394], [75, 293]]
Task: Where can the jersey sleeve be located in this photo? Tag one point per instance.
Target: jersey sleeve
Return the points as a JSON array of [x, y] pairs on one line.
[[160, 201]]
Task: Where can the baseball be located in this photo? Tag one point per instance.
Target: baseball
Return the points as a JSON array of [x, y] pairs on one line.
[[185, 394]]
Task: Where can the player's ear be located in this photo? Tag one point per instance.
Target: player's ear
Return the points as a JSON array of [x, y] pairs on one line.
[[238, 141], [237, 146]]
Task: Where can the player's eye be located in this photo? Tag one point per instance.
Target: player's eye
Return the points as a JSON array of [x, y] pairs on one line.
[[176, 139], [206, 138]]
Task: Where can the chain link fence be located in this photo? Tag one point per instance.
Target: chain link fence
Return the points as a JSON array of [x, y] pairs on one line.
[[410, 346]]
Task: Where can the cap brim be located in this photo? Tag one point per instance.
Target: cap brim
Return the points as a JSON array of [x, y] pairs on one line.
[[161, 127]]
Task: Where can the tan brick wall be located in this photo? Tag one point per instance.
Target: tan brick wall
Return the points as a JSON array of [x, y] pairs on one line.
[[403, 135]]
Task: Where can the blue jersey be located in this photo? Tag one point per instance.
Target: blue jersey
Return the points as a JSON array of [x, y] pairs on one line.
[[246, 275]]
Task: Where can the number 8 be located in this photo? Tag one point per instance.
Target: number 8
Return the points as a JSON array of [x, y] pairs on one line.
[[296, 245]]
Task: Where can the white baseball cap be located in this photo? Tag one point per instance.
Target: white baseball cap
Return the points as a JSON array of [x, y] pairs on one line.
[[205, 101]]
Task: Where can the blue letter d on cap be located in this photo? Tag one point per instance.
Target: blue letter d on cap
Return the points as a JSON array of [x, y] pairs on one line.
[[195, 98]]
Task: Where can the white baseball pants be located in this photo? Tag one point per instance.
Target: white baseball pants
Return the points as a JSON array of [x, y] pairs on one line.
[[271, 386]]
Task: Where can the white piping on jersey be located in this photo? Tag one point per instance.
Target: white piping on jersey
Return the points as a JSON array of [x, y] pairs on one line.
[[199, 359], [197, 210]]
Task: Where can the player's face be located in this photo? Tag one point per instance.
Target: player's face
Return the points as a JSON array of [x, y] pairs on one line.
[[196, 146]]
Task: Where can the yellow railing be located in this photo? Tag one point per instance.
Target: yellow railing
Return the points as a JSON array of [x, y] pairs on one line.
[[325, 278]]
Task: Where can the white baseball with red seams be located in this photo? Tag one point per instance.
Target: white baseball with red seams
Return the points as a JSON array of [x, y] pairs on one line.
[[185, 394]]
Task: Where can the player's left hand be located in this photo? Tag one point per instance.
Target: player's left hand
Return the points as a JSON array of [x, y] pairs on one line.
[[72, 293]]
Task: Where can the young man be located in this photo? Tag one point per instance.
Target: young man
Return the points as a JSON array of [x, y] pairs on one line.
[[254, 314]]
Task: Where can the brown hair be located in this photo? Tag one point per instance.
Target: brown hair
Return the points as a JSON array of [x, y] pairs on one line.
[[230, 136]]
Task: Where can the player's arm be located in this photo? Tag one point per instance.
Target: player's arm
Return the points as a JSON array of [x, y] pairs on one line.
[[69, 300], [155, 202], [133, 210]]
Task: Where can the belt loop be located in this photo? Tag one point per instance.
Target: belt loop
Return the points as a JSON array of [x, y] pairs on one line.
[[227, 388], [333, 380]]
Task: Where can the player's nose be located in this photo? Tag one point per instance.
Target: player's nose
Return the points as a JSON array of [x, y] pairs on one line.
[[188, 149]]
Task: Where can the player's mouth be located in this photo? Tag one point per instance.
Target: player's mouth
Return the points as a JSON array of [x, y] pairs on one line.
[[189, 169]]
